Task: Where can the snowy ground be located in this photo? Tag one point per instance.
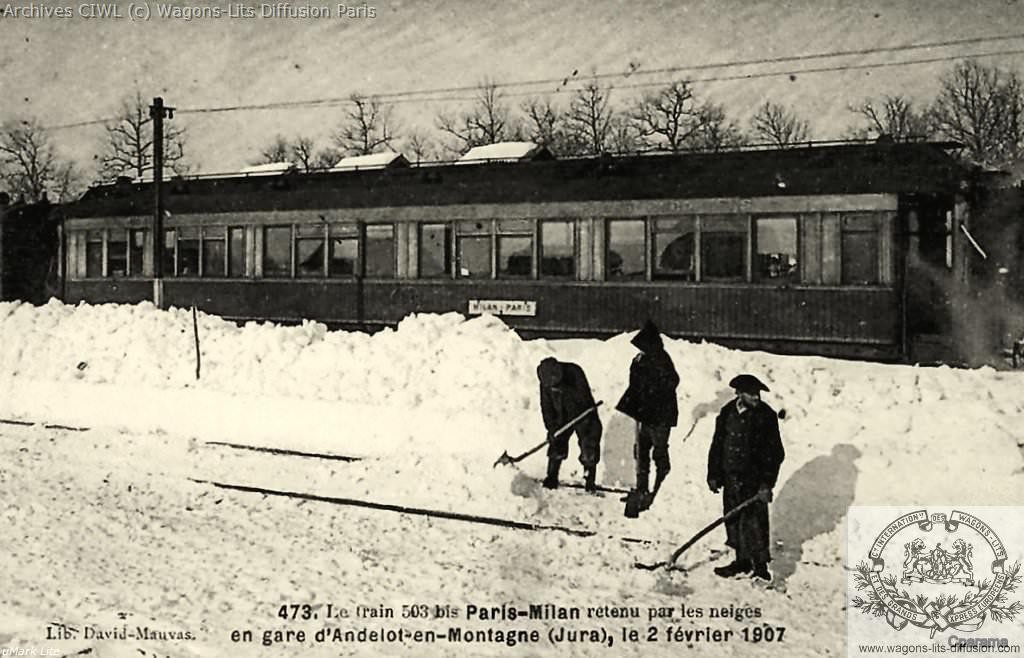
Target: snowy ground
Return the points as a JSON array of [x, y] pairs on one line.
[[112, 520]]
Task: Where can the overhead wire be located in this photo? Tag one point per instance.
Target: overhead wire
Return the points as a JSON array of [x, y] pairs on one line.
[[443, 94]]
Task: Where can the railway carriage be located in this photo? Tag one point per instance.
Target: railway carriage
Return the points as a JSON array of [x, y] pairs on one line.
[[841, 249]]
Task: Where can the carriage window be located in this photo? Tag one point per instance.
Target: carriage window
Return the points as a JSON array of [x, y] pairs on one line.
[[117, 253], [474, 256], [94, 254], [626, 246], [344, 259], [188, 252], [309, 250], [515, 256], [473, 249], [236, 252], [557, 249], [277, 251], [673, 245], [859, 250], [723, 248], [213, 251], [515, 248], [435, 250], [170, 248], [136, 251], [776, 258], [380, 251]]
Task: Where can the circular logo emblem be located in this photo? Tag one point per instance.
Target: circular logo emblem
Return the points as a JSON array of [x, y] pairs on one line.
[[937, 573]]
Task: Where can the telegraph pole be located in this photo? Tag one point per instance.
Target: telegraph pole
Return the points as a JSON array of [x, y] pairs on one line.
[[158, 113]]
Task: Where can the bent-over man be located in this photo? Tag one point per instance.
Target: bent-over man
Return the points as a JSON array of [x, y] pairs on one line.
[[565, 394]]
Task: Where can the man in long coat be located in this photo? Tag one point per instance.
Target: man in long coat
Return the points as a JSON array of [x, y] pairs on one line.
[[745, 456], [564, 394], [651, 401]]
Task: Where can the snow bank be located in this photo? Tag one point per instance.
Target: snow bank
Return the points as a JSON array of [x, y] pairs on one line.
[[435, 402], [442, 385], [134, 367]]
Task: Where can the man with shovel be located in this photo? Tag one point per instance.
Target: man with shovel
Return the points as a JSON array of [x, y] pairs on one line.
[[565, 394], [650, 400], [745, 456]]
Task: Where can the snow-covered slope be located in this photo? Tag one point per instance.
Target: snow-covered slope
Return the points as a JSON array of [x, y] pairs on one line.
[[429, 407]]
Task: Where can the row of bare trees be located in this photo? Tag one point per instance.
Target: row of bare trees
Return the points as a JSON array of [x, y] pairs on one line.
[[980, 106], [31, 168], [671, 118]]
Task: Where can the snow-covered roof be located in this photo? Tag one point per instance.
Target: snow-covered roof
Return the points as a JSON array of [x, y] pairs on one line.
[[373, 161], [505, 152], [267, 169], [148, 177]]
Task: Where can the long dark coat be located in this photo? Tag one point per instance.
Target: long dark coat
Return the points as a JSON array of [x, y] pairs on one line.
[[749, 449], [745, 456], [651, 396]]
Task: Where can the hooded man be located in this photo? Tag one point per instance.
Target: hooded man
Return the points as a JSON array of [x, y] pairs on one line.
[[745, 456], [650, 400], [565, 394]]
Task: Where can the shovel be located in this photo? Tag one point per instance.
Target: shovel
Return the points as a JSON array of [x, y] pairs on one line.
[[506, 459], [670, 563]]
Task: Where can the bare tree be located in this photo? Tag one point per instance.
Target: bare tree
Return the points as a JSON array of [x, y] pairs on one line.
[[277, 151], [301, 152], [779, 126], [129, 146], [981, 108], [545, 125], [624, 135], [669, 117], [893, 116], [368, 126], [420, 146], [30, 166], [674, 118], [304, 154], [488, 121], [589, 119], [717, 131], [324, 159]]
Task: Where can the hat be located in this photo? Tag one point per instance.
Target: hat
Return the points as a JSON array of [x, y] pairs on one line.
[[648, 339], [549, 372], [747, 384]]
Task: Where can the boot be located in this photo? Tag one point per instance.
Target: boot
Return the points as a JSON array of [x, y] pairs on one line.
[[590, 478], [551, 481], [761, 572], [735, 568], [642, 482]]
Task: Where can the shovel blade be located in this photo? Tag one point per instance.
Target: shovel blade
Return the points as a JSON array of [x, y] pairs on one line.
[[650, 567], [667, 566], [504, 460]]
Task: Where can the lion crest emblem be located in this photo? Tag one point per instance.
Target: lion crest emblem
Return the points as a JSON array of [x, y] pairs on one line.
[[937, 562]]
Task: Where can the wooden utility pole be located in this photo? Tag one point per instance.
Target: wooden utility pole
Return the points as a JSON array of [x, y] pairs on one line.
[[158, 113]]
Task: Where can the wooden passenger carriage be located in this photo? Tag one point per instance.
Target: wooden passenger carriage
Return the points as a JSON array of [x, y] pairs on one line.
[[833, 249]]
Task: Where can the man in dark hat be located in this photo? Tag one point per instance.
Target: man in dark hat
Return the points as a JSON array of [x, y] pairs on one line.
[[565, 394], [650, 400], [745, 456]]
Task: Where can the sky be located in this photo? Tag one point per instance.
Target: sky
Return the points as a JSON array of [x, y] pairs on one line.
[[77, 70]]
